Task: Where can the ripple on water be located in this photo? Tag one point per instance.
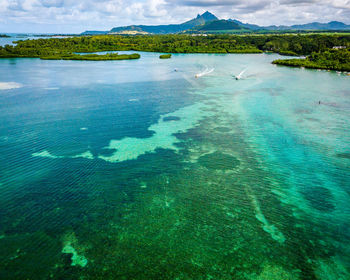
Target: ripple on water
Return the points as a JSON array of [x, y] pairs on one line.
[[271, 272], [344, 155], [171, 118], [223, 129], [219, 161], [319, 198]]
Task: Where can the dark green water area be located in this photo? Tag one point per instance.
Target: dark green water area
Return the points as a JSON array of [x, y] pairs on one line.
[[131, 170]]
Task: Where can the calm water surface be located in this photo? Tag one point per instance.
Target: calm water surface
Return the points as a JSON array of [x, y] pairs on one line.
[[17, 37], [132, 170]]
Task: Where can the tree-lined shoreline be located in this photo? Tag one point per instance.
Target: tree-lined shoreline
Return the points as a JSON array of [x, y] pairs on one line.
[[338, 60], [93, 57], [317, 47]]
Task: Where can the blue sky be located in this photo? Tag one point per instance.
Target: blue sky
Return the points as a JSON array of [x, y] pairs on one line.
[[75, 16]]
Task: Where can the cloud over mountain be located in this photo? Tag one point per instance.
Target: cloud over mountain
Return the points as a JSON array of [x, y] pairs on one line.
[[76, 15]]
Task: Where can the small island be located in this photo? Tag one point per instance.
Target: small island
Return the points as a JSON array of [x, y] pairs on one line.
[[4, 36], [165, 56], [93, 57], [333, 59], [323, 51]]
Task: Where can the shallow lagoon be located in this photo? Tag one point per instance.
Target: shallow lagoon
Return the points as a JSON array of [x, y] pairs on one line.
[[131, 170]]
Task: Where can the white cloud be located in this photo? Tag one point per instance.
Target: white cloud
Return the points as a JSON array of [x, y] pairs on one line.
[[72, 16]]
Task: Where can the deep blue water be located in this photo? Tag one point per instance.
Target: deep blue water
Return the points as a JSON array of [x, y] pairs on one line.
[[132, 170]]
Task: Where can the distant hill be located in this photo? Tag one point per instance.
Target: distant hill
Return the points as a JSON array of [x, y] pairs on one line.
[[153, 29], [200, 19], [332, 25], [218, 25], [170, 28], [246, 25], [92, 32], [208, 22]]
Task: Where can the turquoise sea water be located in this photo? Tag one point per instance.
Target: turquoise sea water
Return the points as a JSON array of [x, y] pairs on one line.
[[132, 170]]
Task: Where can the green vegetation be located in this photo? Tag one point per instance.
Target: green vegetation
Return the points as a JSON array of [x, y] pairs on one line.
[[289, 53], [165, 56], [152, 43], [59, 49], [298, 44], [93, 57], [330, 59], [66, 48], [4, 36], [223, 31]]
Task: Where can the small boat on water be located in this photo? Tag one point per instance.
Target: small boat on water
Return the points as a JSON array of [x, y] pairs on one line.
[[205, 72], [239, 76]]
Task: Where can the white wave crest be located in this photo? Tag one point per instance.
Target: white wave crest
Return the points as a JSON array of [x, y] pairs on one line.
[[9, 85], [205, 72]]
